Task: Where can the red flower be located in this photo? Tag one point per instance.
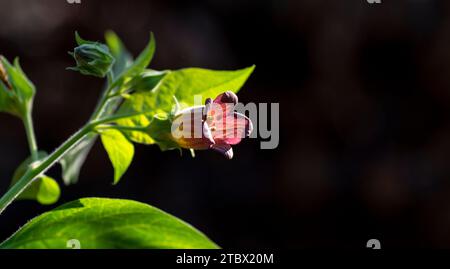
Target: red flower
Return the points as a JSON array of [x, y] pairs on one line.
[[213, 126]]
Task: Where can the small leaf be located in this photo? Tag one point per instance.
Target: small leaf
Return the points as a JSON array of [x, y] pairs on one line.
[[141, 62], [24, 87], [144, 59], [147, 80], [72, 161], [44, 189], [80, 41], [123, 58], [107, 224], [120, 151]]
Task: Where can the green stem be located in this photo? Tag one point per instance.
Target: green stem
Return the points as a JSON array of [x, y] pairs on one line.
[[41, 168], [104, 99], [121, 127], [29, 129], [119, 117]]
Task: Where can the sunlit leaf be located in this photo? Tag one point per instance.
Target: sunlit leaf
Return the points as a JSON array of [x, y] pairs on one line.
[[120, 151], [73, 160], [108, 224], [139, 64], [44, 189]]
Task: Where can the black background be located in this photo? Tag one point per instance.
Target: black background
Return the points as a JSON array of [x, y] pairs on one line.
[[364, 131]]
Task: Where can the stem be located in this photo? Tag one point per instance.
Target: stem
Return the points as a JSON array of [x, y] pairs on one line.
[[28, 123], [119, 117], [32, 174], [120, 127], [104, 99], [42, 167]]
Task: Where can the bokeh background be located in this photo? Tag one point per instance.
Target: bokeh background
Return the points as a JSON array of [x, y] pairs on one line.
[[364, 93]]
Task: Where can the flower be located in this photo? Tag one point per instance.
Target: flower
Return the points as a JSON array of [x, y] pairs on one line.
[[92, 59], [213, 126]]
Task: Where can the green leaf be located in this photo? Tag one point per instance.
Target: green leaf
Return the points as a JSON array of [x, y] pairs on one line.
[[99, 223], [182, 84], [147, 80], [120, 151], [80, 41], [25, 88], [8, 101], [45, 190], [73, 160], [124, 59], [141, 62], [160, 130], [139, 101]]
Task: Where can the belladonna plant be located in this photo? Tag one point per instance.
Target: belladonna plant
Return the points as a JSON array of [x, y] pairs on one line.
[[138, 105]]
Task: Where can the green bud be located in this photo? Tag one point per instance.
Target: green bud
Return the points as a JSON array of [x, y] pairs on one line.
[[92, 58], [16, 90]]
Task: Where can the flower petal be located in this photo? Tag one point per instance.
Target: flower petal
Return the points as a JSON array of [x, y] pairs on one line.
[[207, 135], [186, 130], [232, 129], [225, 149], [226, 98]]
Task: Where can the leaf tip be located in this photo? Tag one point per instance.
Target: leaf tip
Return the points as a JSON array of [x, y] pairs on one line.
[[80, 41]]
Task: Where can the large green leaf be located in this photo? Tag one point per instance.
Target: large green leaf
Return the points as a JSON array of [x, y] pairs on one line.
[[181, 85], [44, 189], [108, 224], [120, 151]]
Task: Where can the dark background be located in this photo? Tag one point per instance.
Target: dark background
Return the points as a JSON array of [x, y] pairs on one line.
[[364, 93]]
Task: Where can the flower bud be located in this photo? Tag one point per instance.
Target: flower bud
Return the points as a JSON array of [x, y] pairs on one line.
[[92, 59], [4, 76]]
